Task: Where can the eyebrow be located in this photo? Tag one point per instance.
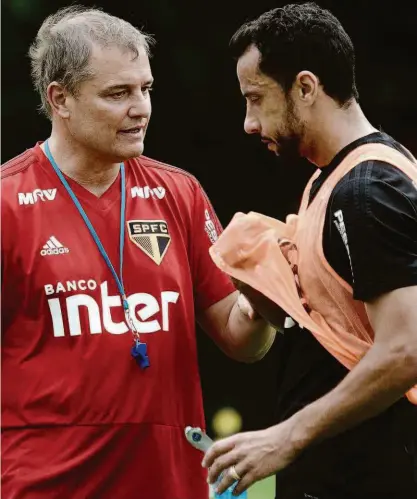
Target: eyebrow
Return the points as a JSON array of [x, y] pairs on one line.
[[123, 86], [250, 93]]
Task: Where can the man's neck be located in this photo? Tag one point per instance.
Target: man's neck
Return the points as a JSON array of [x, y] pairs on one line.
[[91, 172], [337, 129]]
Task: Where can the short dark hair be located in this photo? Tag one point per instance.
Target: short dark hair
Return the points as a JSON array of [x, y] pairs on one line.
[[300, 37]]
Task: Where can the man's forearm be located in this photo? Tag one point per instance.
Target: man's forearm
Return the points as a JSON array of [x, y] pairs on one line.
[[381, 378]]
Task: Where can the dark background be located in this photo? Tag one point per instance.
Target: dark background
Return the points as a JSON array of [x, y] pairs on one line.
[[197, 122]]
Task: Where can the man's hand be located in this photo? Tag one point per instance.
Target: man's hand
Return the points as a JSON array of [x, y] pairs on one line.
[[382, 376], [246, 308], [263, 306], [255, 455], [237, 329]]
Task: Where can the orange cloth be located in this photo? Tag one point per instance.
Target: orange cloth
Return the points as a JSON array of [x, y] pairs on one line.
[[286, 263]]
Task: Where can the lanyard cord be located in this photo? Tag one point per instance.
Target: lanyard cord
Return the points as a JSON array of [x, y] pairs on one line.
[[119, 281], [139, 350]]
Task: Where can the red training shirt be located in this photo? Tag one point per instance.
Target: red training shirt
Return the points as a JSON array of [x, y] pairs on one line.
[[80, 419]]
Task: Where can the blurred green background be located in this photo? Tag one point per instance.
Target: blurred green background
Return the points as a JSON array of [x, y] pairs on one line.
[[263, 490]]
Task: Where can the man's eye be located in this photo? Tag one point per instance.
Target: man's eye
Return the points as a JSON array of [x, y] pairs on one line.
[[118, 95], [254, 98], [147, 90]]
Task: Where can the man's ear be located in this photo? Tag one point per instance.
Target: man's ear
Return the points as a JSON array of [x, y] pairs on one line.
[[306, 86], [57, 97]]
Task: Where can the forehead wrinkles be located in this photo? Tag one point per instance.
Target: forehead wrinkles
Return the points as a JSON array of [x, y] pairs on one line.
[[113, 66], [250, 76], [114, 58], [258, 83]]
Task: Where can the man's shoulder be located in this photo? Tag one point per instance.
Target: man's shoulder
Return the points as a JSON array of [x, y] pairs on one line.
[[19, 164], [384, 139], [369, 175], [19, 175], [169, 173]]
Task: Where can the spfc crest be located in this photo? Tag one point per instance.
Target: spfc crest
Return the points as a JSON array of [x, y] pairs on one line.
[[151, 236]]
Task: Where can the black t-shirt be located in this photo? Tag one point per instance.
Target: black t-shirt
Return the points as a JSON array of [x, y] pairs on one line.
[[376, 205]]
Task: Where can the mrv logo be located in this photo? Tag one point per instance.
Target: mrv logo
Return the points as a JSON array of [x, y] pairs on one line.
[[149, 313], [148, 192], [36, 195]]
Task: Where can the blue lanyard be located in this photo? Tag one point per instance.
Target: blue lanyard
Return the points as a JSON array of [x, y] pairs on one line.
[[119, 281], [139, 349]]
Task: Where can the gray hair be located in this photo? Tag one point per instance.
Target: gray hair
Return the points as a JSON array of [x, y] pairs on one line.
[[62, 48]]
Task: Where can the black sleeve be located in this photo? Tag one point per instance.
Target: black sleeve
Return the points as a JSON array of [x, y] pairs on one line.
[[370, 232]]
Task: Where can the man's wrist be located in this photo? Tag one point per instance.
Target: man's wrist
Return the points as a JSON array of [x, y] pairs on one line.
[[282, 437], [301, 431]]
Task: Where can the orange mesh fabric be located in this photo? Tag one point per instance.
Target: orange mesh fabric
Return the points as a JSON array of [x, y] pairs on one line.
[[285, 262]]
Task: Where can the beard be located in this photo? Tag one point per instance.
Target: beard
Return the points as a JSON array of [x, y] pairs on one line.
[[289, 141], [288, 147]]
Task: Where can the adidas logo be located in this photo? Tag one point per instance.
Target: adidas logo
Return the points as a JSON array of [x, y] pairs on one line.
[[53, 247]]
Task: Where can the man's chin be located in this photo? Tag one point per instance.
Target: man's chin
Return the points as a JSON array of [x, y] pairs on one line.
[[288, 151], [134, 151], [273, 147]]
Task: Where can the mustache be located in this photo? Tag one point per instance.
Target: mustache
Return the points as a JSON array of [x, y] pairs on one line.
[[139, 124]]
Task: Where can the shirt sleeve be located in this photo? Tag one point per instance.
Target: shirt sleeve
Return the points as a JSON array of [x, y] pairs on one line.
[[210, 283], [370, 234]]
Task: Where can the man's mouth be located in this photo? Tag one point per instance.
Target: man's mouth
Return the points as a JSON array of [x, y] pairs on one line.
[[133, 130]]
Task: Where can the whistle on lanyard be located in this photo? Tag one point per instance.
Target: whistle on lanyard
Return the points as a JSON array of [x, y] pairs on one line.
[[139, 353], [139, 350]]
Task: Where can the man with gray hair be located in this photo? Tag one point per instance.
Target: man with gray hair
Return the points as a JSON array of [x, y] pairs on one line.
[[99, 357]]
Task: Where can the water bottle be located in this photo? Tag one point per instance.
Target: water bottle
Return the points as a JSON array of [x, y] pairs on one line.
[[201, 441], [227, 494]]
